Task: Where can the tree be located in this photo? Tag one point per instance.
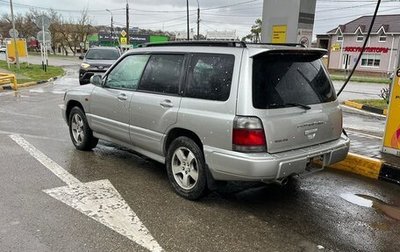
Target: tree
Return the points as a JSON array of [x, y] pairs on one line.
[[255, 32], [83, 29], [24, 24]]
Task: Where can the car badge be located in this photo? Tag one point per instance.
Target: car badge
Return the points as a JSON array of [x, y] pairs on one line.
[[311, 133]]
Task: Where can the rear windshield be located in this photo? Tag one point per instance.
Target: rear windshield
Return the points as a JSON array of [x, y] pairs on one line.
[[281, 80], [102, 54]]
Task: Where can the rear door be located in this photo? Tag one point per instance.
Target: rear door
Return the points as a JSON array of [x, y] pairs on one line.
[[155, 104], [294, 97]]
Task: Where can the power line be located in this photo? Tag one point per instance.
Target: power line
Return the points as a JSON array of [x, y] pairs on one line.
[[356, 15], [59, 10]]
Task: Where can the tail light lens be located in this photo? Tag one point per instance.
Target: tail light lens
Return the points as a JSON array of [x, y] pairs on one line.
[[248, 135]]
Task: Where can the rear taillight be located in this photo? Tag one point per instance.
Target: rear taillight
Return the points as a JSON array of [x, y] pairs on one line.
[[248, 135]]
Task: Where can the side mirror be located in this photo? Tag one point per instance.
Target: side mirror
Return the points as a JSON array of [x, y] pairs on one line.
[[96, 80], [81, 57]]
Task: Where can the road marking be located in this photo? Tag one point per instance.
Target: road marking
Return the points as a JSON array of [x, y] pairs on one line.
[[2, 132], [57, 170], [98, 199]]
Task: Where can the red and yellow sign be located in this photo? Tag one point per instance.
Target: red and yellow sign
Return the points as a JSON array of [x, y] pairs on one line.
[[391, 143]]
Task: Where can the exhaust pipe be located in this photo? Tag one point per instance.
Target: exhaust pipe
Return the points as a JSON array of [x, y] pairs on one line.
[[282, 182]]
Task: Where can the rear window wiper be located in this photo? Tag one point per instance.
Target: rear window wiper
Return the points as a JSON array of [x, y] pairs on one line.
[[289, 104]]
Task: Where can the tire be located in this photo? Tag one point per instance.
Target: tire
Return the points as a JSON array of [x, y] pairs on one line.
[[79, 130], [187, 177]]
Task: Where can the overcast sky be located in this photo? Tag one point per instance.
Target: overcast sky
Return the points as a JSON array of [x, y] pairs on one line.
[[170, 15]]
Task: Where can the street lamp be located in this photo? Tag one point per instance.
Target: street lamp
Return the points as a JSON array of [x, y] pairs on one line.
[[112, 22]]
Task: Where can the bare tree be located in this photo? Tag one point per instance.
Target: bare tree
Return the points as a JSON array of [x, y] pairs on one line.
[[83, 29]]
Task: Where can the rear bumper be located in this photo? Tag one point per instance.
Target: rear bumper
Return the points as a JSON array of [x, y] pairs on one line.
[[230, 165]]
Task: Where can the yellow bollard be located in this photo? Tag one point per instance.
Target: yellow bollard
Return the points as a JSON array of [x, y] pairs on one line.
[[6, 78]]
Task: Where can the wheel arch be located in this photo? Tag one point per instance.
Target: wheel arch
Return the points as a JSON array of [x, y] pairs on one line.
[[178, 132], [70, 105]]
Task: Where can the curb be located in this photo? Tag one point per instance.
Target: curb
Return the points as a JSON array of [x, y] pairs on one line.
[[369, 167], [366, 107], [28, 84]]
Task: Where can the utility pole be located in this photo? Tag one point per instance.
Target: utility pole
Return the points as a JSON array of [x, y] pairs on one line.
[[127, 22], [112, 23], [187, 19], [14, 35], [198, 20]]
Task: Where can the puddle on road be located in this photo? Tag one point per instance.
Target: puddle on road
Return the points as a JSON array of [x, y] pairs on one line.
[[369, 201]]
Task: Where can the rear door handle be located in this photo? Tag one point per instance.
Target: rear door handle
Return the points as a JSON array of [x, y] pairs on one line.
[[166, 104], [122, 97]]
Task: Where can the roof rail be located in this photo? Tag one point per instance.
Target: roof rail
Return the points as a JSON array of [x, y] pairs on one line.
[[279, 44], [198, 43]]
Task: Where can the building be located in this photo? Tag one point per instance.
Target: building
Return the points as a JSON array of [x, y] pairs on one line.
[[105, 39], [381, 53], [221, 35]]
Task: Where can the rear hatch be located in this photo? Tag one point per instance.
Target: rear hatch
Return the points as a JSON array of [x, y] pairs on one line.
[[295, 99]]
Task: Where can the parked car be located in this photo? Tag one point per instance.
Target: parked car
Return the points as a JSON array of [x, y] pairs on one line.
[[214, 111], [2, 49], [97, 60]]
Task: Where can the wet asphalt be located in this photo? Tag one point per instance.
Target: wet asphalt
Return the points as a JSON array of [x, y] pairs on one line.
[[309, 214]]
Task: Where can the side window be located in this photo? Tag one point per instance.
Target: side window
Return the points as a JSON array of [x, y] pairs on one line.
[[128, 72], [210, 76], [162, 74]]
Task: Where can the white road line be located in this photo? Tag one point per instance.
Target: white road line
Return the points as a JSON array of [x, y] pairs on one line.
[[65, 176], [98, 199], [8, 133]]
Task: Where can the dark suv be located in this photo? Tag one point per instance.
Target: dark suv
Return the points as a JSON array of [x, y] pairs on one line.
[[97, 61]]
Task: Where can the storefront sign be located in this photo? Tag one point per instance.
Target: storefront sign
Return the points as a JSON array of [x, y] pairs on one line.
[[367, 49], [391, 143]]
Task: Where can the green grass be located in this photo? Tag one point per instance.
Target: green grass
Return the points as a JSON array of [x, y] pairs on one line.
[[376, 103], [31, 72], [362, 79]]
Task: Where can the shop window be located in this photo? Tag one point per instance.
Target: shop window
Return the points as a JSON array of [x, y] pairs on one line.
[[340, 38], [382, 38], [360, 38], [371, 60]]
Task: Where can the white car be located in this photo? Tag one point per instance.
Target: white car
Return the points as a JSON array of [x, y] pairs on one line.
[[2, 49]]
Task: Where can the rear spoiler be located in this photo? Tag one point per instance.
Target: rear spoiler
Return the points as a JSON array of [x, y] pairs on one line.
[[295, 54]]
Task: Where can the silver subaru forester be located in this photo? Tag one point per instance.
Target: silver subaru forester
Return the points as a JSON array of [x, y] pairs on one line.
[[214, 111]]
